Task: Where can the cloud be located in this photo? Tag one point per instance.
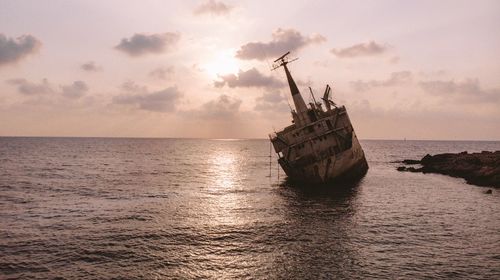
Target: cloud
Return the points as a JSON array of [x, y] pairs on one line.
[[141, 44], [13, 50], [76, 90], [271, 97], [364, 49], [396, 78], [283, 40], [271, 101], [213, 7], [468, 90], [73, 91], [29, 88], [90, 67], [130, 86], [159, 101], [394, 60], [162, 73], [433, 74], [221, 108], [249, 78]]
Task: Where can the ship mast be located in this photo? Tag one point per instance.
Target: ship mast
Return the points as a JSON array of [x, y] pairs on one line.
[[298, 101]]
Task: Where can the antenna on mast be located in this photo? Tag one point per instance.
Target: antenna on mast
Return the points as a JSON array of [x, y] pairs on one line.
[[326, 98], [312, 94], [298, 101], [282, 61], [327, 93]]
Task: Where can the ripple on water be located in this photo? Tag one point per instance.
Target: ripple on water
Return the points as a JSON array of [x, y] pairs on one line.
[[167, 208]]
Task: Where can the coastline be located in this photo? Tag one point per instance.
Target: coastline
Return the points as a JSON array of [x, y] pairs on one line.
[[481, 169]]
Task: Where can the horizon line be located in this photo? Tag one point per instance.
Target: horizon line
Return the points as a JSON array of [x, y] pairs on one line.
[[236, 139]]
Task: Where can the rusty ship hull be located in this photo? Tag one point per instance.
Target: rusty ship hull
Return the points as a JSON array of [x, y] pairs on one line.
[[323, 151], [321, 145]]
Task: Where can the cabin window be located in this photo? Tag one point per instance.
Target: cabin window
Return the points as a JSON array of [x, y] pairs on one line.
[[329, 124], [312, 115], [336, 149], [316, 170]]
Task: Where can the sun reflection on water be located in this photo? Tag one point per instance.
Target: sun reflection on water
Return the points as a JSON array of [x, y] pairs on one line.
[[223, 166], [225, 169]]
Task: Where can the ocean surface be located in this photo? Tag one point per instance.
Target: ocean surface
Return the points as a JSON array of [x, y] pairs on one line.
[[104, 208]]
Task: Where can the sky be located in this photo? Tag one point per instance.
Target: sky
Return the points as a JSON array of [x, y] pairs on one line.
[[404, 69]]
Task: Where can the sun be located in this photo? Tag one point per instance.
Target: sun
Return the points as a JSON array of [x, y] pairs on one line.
[[221, 63]]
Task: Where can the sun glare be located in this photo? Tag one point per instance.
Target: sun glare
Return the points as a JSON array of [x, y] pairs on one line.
[[221, 63]]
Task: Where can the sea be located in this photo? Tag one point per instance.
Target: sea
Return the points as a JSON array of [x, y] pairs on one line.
[[123, 208]]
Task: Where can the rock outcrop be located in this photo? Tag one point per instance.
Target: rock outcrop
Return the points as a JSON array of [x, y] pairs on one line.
[[482, 169]]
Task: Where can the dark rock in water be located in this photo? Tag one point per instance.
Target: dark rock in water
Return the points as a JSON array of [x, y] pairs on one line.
[[411, 161], [426, 158], [409, 169], [488, 192], [481, 169], [413, 169]]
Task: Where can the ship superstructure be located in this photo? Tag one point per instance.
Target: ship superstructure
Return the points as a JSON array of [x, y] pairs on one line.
[[320, 145]]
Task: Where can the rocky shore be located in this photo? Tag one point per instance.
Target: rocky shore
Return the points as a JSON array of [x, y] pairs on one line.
[[482, 169]]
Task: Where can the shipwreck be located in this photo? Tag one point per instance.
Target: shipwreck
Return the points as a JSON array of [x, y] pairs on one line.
[[320, 145]]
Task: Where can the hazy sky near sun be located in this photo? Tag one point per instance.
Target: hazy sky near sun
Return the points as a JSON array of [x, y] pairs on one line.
[[404, 69]]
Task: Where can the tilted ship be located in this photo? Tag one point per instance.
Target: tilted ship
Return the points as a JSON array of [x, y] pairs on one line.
[[320, 146]]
